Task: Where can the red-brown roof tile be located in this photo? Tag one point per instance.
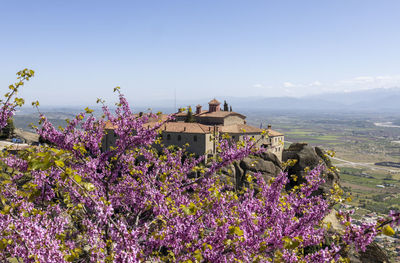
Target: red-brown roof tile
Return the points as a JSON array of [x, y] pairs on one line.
[[219, 114], [214, 102], [273, 133], [186, 127], [239, 128]]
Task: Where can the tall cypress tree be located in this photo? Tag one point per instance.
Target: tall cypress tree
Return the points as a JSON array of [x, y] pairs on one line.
[[189, 116], [225, 106]]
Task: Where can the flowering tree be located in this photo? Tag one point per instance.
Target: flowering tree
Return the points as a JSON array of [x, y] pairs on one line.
[[73, 202]]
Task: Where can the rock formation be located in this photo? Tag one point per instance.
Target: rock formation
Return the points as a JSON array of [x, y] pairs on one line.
[[309, 157]]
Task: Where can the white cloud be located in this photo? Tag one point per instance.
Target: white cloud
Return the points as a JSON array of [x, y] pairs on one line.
[[315, 83], [301, 85], [316, 87], [368, 82], [364, 79], [258, 86], [288, 85]]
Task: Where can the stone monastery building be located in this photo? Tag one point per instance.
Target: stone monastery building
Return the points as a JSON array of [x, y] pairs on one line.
[[214, 122], [206, 125]]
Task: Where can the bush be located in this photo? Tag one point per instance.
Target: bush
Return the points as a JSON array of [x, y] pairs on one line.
[[131, 203]]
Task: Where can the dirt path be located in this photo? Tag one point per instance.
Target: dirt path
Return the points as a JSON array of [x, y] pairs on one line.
[[367, 165], [361, 187]]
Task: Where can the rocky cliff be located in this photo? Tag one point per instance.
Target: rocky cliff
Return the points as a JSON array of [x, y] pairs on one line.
[[269, 166]]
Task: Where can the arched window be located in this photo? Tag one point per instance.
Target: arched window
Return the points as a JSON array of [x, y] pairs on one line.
[[195, 138], [169, 137], [179, 137]]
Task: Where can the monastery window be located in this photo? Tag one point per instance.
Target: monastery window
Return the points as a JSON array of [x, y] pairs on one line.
[[195, 138], [169, 137], [179, 137]]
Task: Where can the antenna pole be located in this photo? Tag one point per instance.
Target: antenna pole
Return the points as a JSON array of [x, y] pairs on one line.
[[175, 110]]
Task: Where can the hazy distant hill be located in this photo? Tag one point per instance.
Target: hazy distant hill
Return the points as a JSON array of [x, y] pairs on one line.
[[368, 100], [373, 100]]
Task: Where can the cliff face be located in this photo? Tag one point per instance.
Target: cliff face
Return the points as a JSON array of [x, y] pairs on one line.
[[310, 157], [266, 163], [269, 166]]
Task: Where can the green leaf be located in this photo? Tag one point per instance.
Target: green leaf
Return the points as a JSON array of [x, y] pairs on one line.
[[59, 163], [290, 243], [235, 230], [189, 210], [88, 110], [197, 255], [88, 186], [3, 244], [388, 230], [19, 101], [77, 178]]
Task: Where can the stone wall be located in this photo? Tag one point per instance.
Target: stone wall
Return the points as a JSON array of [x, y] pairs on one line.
[[199, 143]]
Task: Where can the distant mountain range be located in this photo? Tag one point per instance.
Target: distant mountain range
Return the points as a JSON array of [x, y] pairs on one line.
[[366, 100], [372, 100]]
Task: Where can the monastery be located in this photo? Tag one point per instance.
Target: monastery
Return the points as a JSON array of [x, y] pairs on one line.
[[209, 124]]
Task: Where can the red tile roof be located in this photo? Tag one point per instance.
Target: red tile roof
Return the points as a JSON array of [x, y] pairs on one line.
[[214, 102], [219, 114], [273, 133], [239, 128], [109, 126], [186, 127]]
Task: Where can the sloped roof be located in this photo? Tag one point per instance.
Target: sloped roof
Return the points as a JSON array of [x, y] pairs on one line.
[[159, 118], [219, 114], [109, 126], [214, 102], [273, 133], [186, 127], [182, 113], [244, 128], [239, 128]]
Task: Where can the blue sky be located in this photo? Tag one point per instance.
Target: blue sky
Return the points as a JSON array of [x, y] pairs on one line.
[[80, 50]]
